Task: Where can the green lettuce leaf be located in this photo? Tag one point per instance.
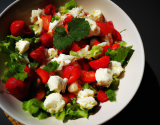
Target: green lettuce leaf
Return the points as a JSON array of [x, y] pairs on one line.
[[111, 95], [68, 6]]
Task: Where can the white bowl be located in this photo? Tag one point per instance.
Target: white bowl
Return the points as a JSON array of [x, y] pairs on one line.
[[21, 10]]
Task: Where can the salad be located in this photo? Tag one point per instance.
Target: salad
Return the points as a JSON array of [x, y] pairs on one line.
[[65, 63]]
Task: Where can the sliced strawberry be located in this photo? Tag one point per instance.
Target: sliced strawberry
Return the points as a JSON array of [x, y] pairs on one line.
[[105, 28], [71, 95], [50, 10], [115, 46], [100, 63], [72, 73], [116, 35], [101, 96], [105, 48], [43, 75], [39, 93], [47, 40], [67, 19], [85, 66], [38, 55], [82, 43], [88, 76], [75, 47], [66, 98], [16, 88], [46, 21], [96, 42]]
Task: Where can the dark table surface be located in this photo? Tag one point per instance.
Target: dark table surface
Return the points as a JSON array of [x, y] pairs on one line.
[[144, 108]]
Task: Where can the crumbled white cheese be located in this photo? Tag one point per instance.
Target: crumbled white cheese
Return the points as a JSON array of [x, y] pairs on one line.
[[84, 52], [54, 25], [104, 77], [22, 46], [54, 103], [116, 68], [92, 23], [102, 44], [35, 14], [96, 15], [77, 12], [38, 26], [56, 83], [52, 52], [63, 60], [86, 99]]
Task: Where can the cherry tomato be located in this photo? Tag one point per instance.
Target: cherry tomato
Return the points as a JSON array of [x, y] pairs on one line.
[[72, 73], [101, 96], [19, 28]]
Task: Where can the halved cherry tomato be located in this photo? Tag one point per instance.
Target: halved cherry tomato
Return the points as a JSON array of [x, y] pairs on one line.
[[19, 28], [72, 73], [100, 63], [101, 96], [75, 47], [50, 10], [46, 21], [88, 76], [105, 28], [115, 46]]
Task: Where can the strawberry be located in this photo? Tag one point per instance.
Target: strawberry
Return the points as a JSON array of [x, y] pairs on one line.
[[105, 28], [38, 55], [72, 73], [88, 76], [100, 63], [43, 75], [105, 48], [96, 42], [19, 28], [67, 19], [75, 47], [85, 66], [66, 98], [16, 88], [46, 21], [101, 96], [115, 46], [47, 40], [50, 10], [116, 35]]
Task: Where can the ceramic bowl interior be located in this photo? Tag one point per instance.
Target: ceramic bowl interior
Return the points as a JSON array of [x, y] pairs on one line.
[[21, 10]]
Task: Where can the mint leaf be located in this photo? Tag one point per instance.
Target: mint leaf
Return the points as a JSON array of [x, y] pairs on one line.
[[78, 28], [51, 66], [71, 4], [111, 95]]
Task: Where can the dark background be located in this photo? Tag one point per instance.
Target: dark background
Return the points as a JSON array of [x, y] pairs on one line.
[[144, 108]]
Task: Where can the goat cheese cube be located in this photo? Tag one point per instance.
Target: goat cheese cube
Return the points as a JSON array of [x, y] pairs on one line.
[[63, 60], [52, 53], [38, 26], [104, 77], [56, 83], [22, 46], [54, 103], [116, 68], [87, 102], [35, 14], [86, 99]]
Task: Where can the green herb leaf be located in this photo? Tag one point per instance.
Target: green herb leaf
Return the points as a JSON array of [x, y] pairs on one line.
[[54, 18], [115, 83], [51, 66], [60, 115], [87, 86], [71, 4], [111, 95]]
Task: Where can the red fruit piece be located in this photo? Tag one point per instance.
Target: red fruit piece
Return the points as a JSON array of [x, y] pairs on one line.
[[100, 63], [88, 76], [71, 95], [39, 93], [46, 21], [96, 42], [115, 46], [105, 28], [67, 19], [117, 36], [43, 75], [72, 73], [47, 40], [75, 47], [105, 48], [50, 10], [19, 28], [101, 96], [38, 55], [16, 88], [66, 98], [84, 64]]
